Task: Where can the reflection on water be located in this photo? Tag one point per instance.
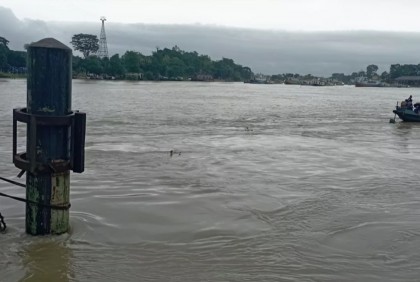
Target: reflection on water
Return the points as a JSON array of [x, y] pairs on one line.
[[273, 183], [405, 133], [46, 260]]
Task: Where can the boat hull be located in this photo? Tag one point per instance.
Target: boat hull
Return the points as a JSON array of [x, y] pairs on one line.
[[368, 84], [407, 115]]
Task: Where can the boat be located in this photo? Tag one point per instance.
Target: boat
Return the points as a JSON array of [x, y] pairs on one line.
[[292, 81], [369, 83], [324, 82], [364, 82], [259, 79], [406, 113]]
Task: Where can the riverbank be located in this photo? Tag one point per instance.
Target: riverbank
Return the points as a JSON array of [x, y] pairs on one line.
[[11, 75]]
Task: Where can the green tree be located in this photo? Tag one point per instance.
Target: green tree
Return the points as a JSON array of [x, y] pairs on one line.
[[131, 61], [4, 50], [385, 76], [16, 58], [398, 70], [338, 76], [308, 76], [224, 69], [3, 59], [78, 66], [93, 65], [116, 66], [171, 63], [4, 42], [394, 71], [85, 43], [371, 70], [361, 74], [248, 74], [176, 67]]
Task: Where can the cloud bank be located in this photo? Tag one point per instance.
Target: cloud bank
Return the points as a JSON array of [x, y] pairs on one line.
[[266, 51]]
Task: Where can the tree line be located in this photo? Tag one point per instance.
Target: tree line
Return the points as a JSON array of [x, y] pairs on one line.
[[396, 70], [370, 73], [11, 61], [163, 64], [175, 64]]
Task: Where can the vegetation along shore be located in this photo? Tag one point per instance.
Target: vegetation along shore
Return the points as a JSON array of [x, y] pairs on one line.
[[178, 65]]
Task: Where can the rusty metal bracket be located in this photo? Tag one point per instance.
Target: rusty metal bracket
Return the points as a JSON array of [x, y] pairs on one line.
[[28, 162]]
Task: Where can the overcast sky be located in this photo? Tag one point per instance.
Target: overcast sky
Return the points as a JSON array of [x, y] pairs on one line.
[[292, 15], [319, 37]]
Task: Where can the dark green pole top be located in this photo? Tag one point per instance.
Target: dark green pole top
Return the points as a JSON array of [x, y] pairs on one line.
[[49, 78], [50, 43]]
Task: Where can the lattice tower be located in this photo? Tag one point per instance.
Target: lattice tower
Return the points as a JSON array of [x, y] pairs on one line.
[[103, 48]]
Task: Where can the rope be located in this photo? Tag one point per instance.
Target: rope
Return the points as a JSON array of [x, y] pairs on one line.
[[2, 224], [13, 182], [54, 207]]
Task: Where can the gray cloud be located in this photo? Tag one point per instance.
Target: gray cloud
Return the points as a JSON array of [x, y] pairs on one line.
[[266, 51]]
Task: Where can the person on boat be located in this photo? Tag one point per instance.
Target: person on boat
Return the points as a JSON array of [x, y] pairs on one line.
[[409, 102], [417, 108]]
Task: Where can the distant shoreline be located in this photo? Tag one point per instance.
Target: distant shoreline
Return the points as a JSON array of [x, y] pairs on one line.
[[11, 75]]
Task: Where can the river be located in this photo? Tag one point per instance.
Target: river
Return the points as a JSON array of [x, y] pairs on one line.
[[265, 183]]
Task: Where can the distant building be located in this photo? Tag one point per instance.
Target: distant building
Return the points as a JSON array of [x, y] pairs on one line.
[[203, 77], [134, 76], [408, 80]]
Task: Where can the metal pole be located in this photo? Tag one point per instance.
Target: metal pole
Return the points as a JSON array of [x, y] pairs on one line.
[[48, 94]]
